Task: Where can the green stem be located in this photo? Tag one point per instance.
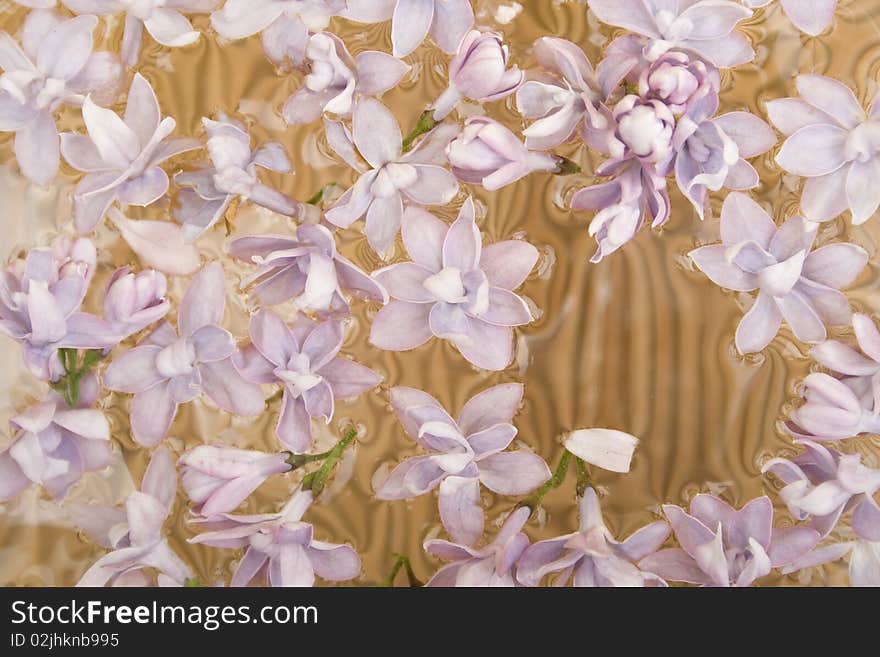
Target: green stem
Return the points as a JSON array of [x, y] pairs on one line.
[[299, 460], [402, 562], [315, 481], [68, 384], [319, 195], [583, 480], [533, 501], [426, 124], [192, 583]]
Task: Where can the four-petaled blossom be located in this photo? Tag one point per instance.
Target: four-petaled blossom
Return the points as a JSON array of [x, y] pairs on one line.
[[809, 16], [703, 26], [280, 547], [792, 282], [464, 453], [55, 66], [56, 444], [723, 546], [478, 72], [285, 24], [303, 359], [488, 154], [40, 298], [306, 268], [336, 79], [390, 175], [491, 566], [134, 301], [171, 367], [824, 484], [835, 409], [163, 19], [121, 155], [592, 556], [233, 174], [833, 143], [447, 21], [218, 478], [134, 533], [454, 289]]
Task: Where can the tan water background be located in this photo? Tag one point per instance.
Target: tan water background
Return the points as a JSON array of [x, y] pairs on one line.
[[641, 342]]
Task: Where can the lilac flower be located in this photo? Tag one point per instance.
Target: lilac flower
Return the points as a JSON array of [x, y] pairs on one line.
[[810, 16], [703, 26], [488, 154], [679, 79], [447, 21], [219, 478], [834, 144], [284, 24], [592, 555], [390, 175], [711, 152], [836, 409], [158, 244], [825, 484], [792, 282], [336, 79], [134, 301], [121, 155], [135, 533], [233, 174], [722, 546], [560, 104], [55, 67], [605, 448], [492, 565], [454, 289], [463, 454], [279, 547], [39, 305], [479, 72], [56, 444], [303, 359], [172, 367], [163, 19], [306, 268]]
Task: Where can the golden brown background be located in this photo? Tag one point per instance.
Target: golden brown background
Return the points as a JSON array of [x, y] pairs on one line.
[[641, 342]]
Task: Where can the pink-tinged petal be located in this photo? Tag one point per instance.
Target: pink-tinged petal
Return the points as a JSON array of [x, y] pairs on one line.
[[712, 260], [513, 473], [754, 520], [248, 568], [170, 28], [405, 399], [751, 135], [862, 192], [508, 263], [405, 281], [226, 388], [348, 378], [117, 143], [48, 324], [144, 190], [134, 371], [212, 343], [758, 326], [832, 97], [803, 320], [291, 567], [89, 210], [495, 405], [812, 17], [335, 563], [152, 412], [816, 150], [866, 521], [383, 221], [376, 132], [271, 336], [690, 532], [791, 114], [790, 544], [145, 516], [142, 109], [356, 281], [36, 149], [463, 243], [492, 439], [864, 564], [294, 428], [835, 265], [452, 20], [242, 18], [411, 478], [713, 20], [204, 301], [485, 345], [323, 343], [644, 541], [377, 72], [841, 358], [675, 565], [12, 57], [253, 366], [605, 448], [819, 557], [743, 220], [369, 11], [401, 326], [159, 244], [434, 185], [160, 479], [319, 402], [633, 15], [423, 236], [411, 22], [867, 335], [824, 198], [460, 509], [506, 309]]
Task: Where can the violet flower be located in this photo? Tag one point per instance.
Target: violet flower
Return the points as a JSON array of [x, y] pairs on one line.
[[163, 19], [121, 155], [55, 66], [219, 478], [835, 409], [490, 566], [454, 289], [412, 20], [336, 79], [56, 444], [592, 556], [40, 299], [171, 367], [792, 282], [478, 72], [306, 268], [304, 359], [463, 454], [703, 26], [233, 173], [390, 175], [134, 533], [279, 547], [824, 484], [809, 16], [285, 24], [134, 301], [488, 154], [834, 144], [723, 546]]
